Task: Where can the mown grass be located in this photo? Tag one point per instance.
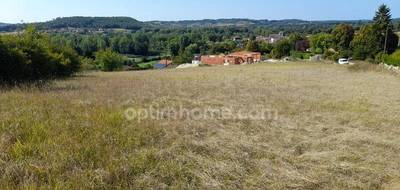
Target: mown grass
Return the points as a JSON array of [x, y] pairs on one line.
[[336, 129]]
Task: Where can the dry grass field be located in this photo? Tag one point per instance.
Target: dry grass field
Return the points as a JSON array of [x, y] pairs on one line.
[[336, 129]]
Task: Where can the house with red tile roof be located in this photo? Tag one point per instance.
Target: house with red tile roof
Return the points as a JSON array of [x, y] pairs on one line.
[[236, 58]]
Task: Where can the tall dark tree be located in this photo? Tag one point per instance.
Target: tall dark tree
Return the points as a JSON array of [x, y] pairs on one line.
[[383, 20], [383, 16]]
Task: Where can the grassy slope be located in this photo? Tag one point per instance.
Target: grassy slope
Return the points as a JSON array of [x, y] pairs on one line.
[[336, 130]]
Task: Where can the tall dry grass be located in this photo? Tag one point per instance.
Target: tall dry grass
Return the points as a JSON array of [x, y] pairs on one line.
[[336, 130]]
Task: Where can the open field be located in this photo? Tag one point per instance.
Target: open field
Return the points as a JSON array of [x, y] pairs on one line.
[[335, 129]]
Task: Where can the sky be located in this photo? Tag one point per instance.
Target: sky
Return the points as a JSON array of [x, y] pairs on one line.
[[17, 11]]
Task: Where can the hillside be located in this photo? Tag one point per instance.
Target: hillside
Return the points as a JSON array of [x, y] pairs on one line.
[[92, 22], [289, 25], [133, 24], [249, 22]]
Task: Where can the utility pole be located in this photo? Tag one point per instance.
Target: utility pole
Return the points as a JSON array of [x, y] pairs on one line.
[[386, 39]]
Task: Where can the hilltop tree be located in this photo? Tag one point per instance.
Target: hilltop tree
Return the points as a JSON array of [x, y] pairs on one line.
[[383, 16], [342, 35], [383, 21]]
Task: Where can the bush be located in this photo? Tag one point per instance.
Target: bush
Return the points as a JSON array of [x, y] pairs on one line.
[[380, 57], [331, 55], [109, 60], [393, 59], [146, 66], [300, 55], [30, 56], [88, 64]]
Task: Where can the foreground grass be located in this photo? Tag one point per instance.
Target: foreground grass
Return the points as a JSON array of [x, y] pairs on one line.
[[337, 129]]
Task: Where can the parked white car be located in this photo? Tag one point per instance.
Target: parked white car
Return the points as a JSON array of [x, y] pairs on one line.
[[343, 61]]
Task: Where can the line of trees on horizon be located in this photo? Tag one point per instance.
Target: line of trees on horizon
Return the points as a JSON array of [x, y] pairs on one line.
[[373, 42]]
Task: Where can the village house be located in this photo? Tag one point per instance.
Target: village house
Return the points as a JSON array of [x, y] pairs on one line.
[[213, 59], [236, 58], [273, 38]]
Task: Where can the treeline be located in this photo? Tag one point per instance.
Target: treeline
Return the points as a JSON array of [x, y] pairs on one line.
[[92, 22], [31, 56], [373, 42], [288, 25], [178, 43]]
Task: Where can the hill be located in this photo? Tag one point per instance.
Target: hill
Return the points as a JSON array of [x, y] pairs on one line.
[[92, 22], [248, 22], [288, 25], [133, 24]]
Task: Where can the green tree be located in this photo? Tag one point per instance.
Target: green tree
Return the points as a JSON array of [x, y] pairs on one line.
[[265, 47], [126, 45], [222, 47], [366, 43], [252, 45], [32, 56], [321, 42], [383, 21], [281, 49], [12, 63], [109, 60], [141, 42], [299, 42], [115, 43], [342, 35], [173, 47], [382, 16], [88, 46]]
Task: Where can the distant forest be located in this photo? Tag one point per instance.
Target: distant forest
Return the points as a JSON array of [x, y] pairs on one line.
[[289, 25]]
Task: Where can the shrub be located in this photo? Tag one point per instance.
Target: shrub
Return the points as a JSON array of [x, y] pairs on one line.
[[109, 60], [330, 54], [300, 55], [30, 56], [88, 64], [393, 59]]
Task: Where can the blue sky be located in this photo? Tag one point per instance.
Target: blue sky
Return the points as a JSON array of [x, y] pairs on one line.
[[14, 11]]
